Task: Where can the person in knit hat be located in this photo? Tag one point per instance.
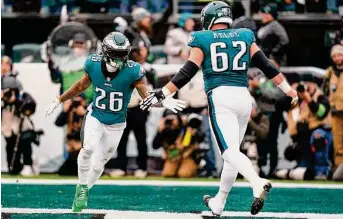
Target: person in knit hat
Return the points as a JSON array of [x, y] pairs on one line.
[[272, 35], [175, 45], [333, 87]]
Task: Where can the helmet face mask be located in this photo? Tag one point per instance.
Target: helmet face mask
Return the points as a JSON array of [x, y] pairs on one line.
[[115, 49], [214, 13]]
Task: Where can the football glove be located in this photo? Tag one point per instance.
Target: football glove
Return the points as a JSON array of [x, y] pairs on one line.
[[50, 109], [170, 103], [174, 105], [154, 98]]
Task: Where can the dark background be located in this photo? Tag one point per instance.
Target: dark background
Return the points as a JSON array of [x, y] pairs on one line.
[[306, 33]]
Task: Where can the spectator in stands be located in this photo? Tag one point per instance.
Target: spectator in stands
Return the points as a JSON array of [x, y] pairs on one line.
[[143, 26], [70, 67], [333, 87], [17, 127], [240, 20], [272, 35], [288, 6], [309, 126], [269, 99], [152, 5], [194, 95], [55, 7], [180, 144], [72, 116], [120, 24], [175, 45], [255, 135]]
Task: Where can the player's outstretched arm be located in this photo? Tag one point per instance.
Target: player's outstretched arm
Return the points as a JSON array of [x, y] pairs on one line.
[[73, 91], [76, 89], [270, 70], [185, 74]]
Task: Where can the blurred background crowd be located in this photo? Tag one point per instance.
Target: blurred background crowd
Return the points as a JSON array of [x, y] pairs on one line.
[[158, 31]]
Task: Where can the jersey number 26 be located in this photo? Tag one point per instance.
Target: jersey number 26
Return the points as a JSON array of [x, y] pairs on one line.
[[115, 100], [215, 55]]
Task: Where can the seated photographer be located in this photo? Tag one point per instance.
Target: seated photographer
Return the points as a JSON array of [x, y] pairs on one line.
[[72, 116], [180, 143], [18, 128], [255, 136], [311, 164], [309, 126]]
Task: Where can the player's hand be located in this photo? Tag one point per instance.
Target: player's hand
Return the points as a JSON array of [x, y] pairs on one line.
[[52, 107], [154, 98], [294, 95], [174, 105]]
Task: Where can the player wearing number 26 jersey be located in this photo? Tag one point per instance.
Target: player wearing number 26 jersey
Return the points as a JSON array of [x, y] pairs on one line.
[[111, 95], [113, 78], [224, 55]]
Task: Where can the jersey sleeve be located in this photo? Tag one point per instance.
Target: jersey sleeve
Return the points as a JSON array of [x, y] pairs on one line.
[[139, 73], [250, 36], [88, 64], [193, 40]]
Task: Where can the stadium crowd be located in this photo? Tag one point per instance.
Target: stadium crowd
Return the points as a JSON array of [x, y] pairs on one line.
[[45, 7], [315, 124]]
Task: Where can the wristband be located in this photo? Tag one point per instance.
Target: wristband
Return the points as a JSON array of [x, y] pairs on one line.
[[285, 87], [166, 92]]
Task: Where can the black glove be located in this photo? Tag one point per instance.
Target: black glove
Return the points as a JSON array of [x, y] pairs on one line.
[[154, 98]]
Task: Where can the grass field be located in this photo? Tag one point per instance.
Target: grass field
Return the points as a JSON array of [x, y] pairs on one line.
[[156, 198]]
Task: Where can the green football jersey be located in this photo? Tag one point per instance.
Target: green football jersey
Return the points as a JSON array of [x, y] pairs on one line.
[[112, 96], [226, 56]]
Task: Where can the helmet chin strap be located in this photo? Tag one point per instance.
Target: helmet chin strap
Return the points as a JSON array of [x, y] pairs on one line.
[[111, 68]]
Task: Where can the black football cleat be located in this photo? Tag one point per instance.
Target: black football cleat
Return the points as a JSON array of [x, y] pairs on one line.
[[258, 203]]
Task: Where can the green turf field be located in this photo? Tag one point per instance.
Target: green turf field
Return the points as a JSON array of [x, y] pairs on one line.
[[42, 199]]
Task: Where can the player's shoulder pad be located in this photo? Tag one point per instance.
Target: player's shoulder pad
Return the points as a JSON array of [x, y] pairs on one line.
[[91, 59]]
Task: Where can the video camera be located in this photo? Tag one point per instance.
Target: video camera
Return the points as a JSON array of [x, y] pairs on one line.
[[194, 121]]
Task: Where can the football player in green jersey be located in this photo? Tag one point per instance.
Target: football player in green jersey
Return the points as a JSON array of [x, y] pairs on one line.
[[224, 55], [113, 77]]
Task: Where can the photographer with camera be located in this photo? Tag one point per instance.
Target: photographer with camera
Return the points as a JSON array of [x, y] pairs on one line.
[[72, 116], [309, 127], [18, 128], [180, 143]]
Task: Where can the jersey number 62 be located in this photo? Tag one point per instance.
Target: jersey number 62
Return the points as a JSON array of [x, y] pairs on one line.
[[224, 59]]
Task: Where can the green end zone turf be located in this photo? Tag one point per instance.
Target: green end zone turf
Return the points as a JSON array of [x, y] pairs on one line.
[[55, 216], [169, 199]]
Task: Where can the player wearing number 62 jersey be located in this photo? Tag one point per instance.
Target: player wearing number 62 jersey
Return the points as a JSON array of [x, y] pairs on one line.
[[224, 55], [113, 78]]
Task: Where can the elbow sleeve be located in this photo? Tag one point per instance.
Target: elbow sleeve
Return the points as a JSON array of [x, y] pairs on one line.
[[263, 63], [185, 74]]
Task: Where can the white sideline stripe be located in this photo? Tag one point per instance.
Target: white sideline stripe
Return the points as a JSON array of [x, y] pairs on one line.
[[164, 183], [167, 215]]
